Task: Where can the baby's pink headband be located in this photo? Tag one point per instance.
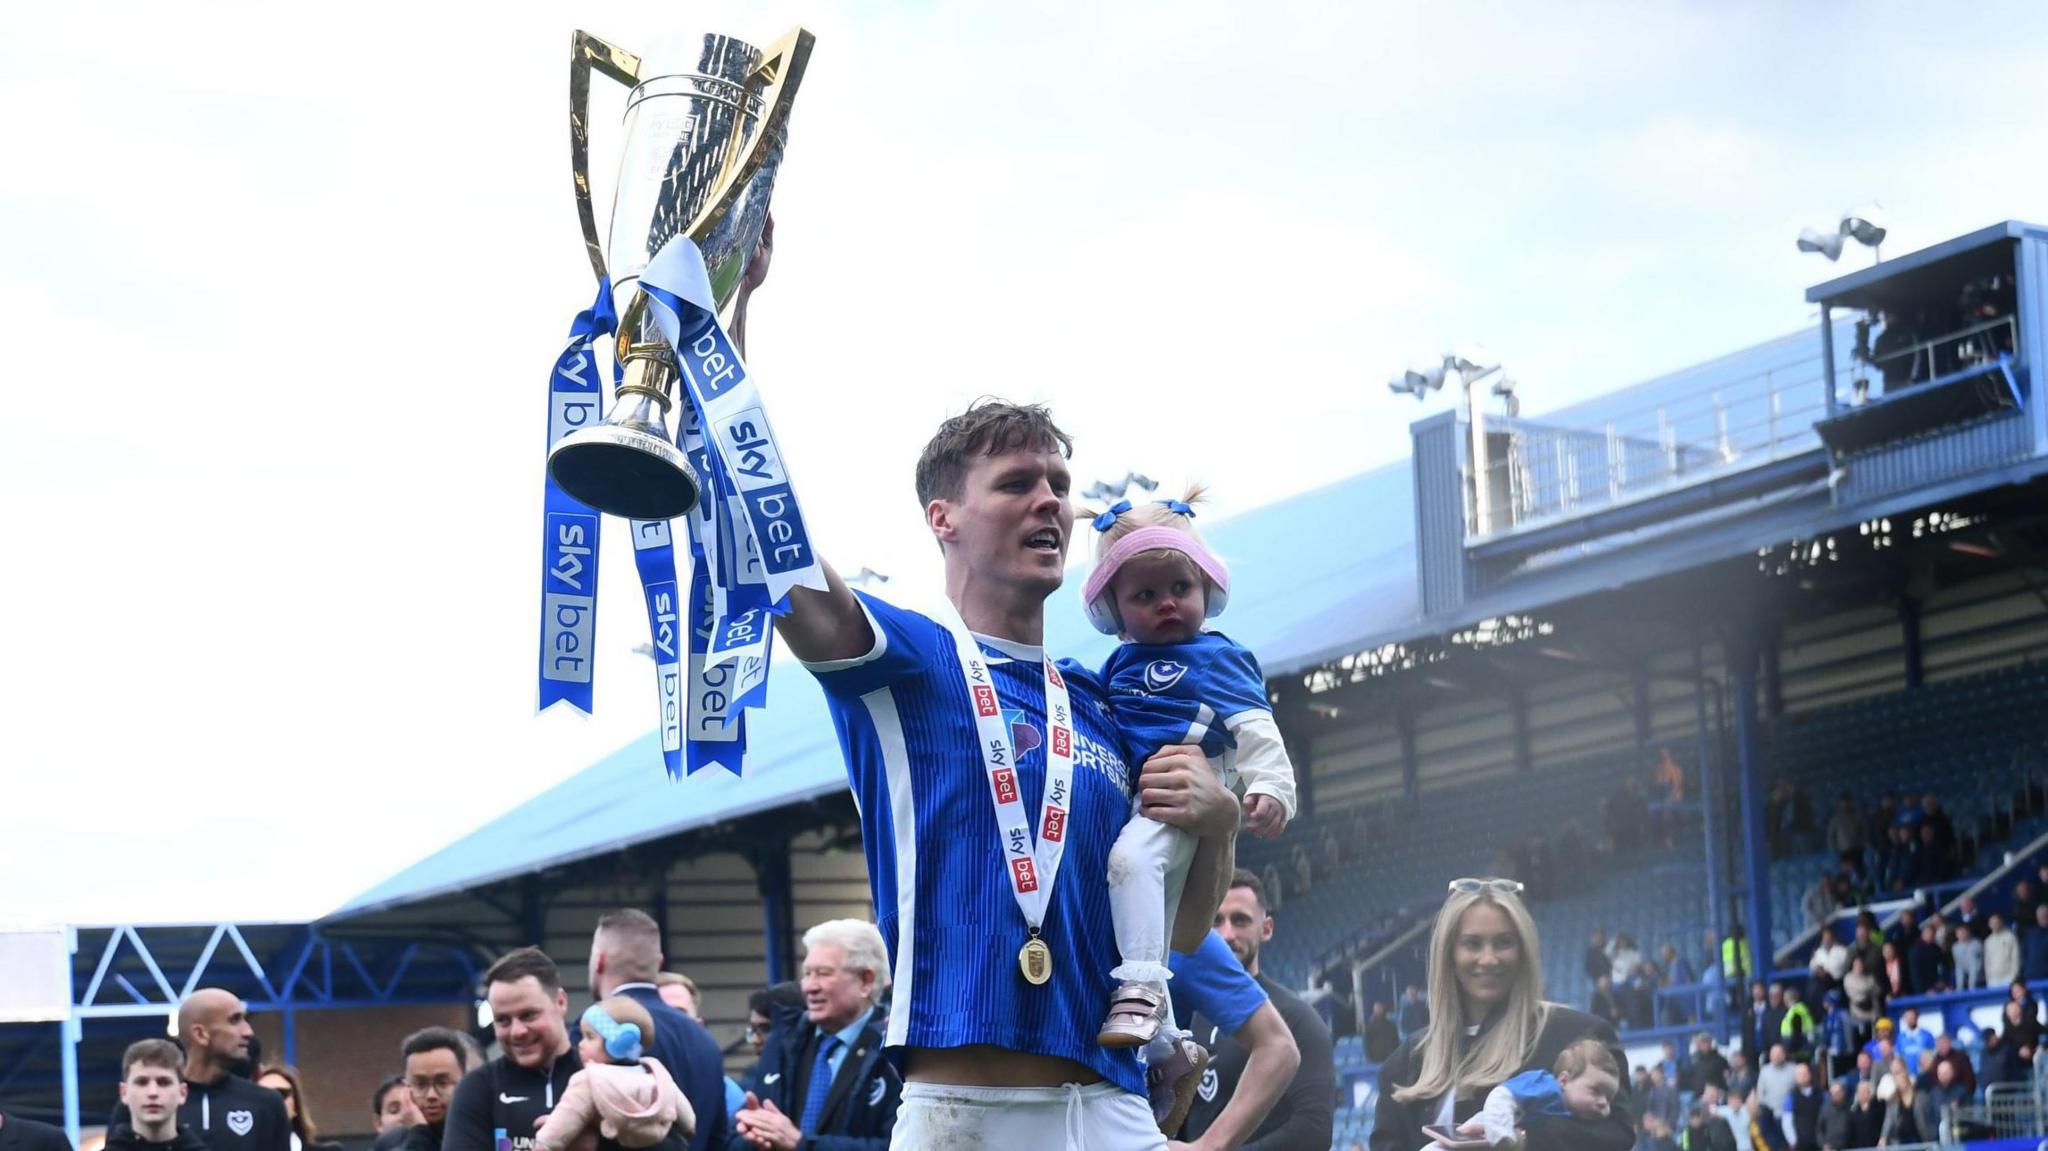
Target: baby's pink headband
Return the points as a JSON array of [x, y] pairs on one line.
[[1095, 592]]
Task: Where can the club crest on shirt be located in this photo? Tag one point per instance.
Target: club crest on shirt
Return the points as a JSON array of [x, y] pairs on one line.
[[1162, 674], [240, 1122], [1023, 736], [876, 1090], [1207, 1087]]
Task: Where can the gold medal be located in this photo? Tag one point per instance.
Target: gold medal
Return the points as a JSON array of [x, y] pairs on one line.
[[1034, 959]]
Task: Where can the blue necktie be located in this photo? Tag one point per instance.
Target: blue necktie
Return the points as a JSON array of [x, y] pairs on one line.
[[821, 1085]]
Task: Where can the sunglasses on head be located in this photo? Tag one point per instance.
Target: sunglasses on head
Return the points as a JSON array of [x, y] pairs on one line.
[[1489, 885]]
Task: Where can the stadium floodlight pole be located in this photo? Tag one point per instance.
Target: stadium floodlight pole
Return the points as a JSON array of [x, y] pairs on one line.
[[1472, 365]]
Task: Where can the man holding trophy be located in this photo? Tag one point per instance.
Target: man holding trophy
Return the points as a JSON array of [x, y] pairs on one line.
[[986, 773]]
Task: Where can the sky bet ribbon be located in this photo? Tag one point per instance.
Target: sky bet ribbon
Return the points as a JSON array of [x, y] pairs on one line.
[[751, 544], [568, 581], [736, 423], [654, 555]]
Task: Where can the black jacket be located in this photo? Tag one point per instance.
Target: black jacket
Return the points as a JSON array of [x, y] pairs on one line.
[[124, 1138], [860, 1108], [229, 1114], [1301, 1117], [1397, 1126], [692, 1058], [501, 1097], [18, 1134]]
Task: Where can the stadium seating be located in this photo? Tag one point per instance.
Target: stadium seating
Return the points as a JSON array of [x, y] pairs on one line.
[[1972, 741]]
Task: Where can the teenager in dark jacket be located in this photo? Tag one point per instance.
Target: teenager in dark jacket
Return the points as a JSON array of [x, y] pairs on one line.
[[153, 1088], [1488, 1022], [228, 1112], [822, 1083]]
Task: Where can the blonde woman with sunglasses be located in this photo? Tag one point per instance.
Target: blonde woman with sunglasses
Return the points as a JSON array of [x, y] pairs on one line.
[[1488, 1022]]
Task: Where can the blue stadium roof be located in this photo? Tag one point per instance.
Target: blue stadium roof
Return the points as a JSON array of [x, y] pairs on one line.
[[1314, 576]]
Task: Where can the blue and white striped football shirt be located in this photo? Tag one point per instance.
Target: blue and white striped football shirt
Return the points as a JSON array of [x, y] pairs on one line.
[[935, 857]]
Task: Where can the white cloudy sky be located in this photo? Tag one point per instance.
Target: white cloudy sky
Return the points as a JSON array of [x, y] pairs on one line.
[[279, 286]]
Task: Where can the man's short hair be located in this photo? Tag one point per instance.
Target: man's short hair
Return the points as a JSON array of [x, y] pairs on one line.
[[632, 943], [676, 979], [467, 1053], [988, 427], [517, 964], [153, 1053], [1245, 879], [861, 943]]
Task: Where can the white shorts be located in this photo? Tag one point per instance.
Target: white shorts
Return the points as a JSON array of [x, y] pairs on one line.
[[1097, 1117]]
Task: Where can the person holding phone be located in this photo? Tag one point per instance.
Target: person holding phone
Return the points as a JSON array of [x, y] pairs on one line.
[[1488, 1022]]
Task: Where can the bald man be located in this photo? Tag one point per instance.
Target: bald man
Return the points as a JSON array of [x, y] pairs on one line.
[[228, 1111]]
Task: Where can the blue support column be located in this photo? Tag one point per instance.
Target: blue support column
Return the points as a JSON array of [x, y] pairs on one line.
[[1641, 699], [1827, 354], [291, 1036], [778, 910], [1518, 703], [1909, 640], [1411, 767], [1774, 680], [68, 1034], [68, 1038], [1749, 757], [1707, 754]]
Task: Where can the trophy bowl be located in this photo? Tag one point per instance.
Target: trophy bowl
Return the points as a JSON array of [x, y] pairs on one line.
[[703, 142]]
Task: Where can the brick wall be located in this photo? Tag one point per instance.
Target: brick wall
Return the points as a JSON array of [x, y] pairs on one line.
[[344, 1054]]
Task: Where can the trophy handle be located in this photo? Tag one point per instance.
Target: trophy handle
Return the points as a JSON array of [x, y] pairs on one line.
[[587, 52], [782, 71]]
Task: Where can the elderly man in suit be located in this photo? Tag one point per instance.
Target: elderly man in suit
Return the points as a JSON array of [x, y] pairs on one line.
[[822, 1083]]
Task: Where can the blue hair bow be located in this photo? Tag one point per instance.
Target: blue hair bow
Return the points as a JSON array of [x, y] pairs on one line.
[[1179, 507], [1107, 520]]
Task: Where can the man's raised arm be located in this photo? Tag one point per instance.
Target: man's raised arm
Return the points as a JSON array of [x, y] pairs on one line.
[[826, 625]]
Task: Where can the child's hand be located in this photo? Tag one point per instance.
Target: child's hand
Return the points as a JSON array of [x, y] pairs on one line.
[[1267, 818]]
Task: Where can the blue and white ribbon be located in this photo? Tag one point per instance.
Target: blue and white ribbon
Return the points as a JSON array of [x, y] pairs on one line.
[[736, 422], [748, 542], [569, 545], [654, 556]]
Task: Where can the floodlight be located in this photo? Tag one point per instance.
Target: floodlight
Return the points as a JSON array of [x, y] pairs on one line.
[[1822, 242], [1398, 384], [1425, 376], [1473, 361], [1505, 386], [1865, 225]]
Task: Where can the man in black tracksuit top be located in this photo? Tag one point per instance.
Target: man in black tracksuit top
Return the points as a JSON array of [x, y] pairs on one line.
[[1300, 1120], [228, 1112], [498, 1105]]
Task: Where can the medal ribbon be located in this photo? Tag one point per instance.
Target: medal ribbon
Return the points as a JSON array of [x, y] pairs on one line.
[[1032, 867], [568, 580]]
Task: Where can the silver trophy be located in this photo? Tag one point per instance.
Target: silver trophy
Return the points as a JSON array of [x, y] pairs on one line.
[[703, 142]]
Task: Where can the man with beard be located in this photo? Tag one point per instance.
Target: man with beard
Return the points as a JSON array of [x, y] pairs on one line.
[[229, 1112], [498, 1106], [1300, 1120]]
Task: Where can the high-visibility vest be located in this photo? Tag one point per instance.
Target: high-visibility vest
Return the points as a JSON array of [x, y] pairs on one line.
[[1735, 958]]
